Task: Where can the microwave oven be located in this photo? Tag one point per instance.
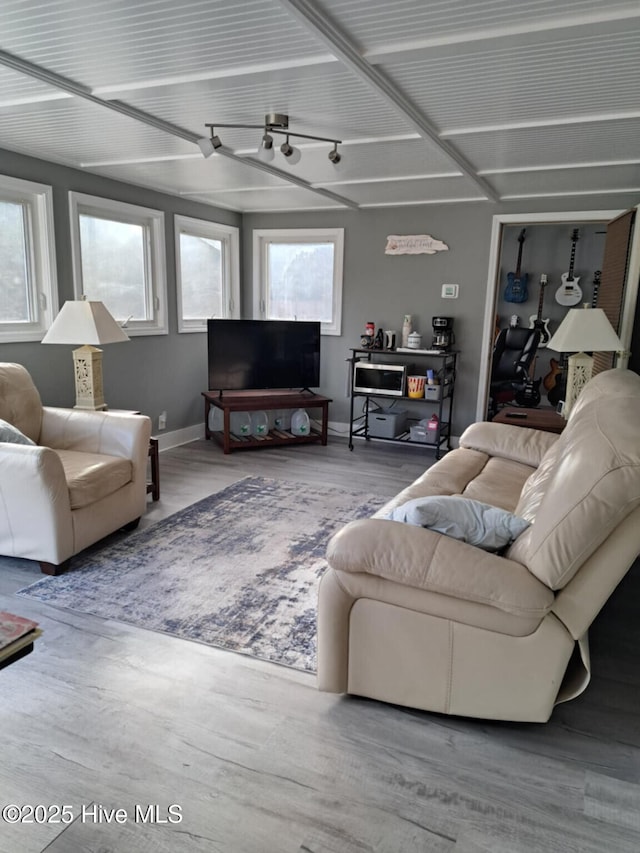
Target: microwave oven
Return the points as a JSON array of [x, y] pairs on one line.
[[387, 379]]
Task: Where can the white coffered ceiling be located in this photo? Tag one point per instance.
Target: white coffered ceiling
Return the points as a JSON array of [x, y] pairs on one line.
[[435, 100]]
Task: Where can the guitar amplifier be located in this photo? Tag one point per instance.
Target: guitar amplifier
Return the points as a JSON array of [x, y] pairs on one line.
[[384, 379]]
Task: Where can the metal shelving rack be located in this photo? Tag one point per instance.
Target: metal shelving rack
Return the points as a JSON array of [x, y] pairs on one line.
[[446, 374]]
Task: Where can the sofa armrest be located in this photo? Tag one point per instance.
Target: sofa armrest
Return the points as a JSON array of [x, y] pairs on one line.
[[33, 487], [521, 444], [111, 433], [421, 558]]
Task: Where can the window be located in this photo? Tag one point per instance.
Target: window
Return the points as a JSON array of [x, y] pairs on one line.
[[207, 272], [298, 275], [119, 259], [28, 288]]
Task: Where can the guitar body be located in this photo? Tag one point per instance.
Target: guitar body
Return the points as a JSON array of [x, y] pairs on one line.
[[551, 378], [569, 293], [557, 393], [529, 395], [516, 289], [543, 327]]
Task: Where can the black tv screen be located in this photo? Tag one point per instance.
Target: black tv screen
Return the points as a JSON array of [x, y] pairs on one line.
[[258, 354]]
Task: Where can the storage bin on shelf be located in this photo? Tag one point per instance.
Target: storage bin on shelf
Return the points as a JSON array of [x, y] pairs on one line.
[[387, 423]]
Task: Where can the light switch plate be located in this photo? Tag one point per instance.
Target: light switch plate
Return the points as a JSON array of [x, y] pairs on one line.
[[450, 291]]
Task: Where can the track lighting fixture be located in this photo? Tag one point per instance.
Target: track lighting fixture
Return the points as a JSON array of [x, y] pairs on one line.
[[274, 123]]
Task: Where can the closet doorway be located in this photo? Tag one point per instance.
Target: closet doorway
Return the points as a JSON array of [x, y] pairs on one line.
[[547, 247]]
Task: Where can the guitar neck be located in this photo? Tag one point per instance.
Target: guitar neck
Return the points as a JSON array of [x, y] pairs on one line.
[[521, 241], [543, 282], [574, 240]]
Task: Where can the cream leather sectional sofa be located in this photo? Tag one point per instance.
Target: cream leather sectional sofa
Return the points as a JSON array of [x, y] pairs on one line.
[[416, 618]]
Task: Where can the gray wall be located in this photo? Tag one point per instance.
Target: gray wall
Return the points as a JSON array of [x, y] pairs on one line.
[[168, 372], [382, 288], [150, 373]]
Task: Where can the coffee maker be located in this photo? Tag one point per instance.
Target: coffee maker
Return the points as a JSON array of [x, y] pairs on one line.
[[443, 336]]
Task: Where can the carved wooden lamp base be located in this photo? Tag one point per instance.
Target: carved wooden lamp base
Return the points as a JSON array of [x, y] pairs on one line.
[[87, 363], [579, 371]]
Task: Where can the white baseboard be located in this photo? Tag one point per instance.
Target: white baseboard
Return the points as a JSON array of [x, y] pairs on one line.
[[166, 440], [179, 436]]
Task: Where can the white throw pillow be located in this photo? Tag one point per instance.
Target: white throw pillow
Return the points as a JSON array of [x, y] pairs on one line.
[[12, 434], [477, 523]]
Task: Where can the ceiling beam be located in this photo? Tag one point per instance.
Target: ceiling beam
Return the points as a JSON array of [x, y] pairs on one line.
[[65, 84], [319, 24]]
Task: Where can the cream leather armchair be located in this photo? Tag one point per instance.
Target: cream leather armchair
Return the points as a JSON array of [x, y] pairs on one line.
[[83, 478]]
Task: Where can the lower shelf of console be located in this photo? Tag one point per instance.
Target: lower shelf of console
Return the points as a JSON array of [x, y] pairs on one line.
[[281, 437]]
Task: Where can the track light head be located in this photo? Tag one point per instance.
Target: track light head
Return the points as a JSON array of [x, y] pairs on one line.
[[209, 145], [265, 150], [292, 154], [335, 156]]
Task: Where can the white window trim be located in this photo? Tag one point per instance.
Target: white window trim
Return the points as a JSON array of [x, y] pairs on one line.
[[41, 260], [229, 236], [262, 238], [156, 254]]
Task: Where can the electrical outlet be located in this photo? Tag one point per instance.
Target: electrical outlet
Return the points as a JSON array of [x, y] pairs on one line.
[[162, 420]]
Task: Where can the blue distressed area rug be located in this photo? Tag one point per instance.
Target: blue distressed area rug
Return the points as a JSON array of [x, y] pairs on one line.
[[238, 570]]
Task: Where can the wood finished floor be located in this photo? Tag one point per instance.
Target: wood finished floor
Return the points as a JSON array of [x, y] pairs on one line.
[[260, 762]]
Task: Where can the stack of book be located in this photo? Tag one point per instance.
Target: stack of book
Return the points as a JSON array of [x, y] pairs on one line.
[[17, 635]]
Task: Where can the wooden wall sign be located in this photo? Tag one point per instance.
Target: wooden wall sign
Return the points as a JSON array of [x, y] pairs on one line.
[[414, 244]]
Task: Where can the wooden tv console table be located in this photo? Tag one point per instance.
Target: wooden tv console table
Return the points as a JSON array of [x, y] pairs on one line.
[[256, 401]]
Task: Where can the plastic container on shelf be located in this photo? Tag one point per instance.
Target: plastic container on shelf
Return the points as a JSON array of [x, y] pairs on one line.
[[216, 419], [282, 419], [259, 424], [300, 424], [240, 423]]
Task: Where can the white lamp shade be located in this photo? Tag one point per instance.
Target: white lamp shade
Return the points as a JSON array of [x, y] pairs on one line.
[[585, 329], [84, 322]]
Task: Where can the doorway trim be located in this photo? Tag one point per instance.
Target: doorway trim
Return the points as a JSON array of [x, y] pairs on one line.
[[491, 296]]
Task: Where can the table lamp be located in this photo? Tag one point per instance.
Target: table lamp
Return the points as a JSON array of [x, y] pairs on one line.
[[582, 329], [83, 322]]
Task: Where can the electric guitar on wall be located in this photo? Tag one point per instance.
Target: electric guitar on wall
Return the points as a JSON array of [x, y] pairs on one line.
[[516, 289], [536, 321], [554, 381], [569, 293]]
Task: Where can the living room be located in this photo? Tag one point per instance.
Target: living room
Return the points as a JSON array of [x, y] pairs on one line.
[[109, 712]]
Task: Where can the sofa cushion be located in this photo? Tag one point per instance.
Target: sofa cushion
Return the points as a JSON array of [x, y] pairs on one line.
[[92, 476], [480, 524], [586, 484], [12, 435]]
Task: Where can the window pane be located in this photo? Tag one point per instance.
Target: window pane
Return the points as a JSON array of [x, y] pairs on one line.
[[113, 265], [300, 281], [201, 277], [14, 270]]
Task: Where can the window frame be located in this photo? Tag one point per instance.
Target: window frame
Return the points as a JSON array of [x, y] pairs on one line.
[[37, 200], [263, 237], [229, 236], [152, 221]]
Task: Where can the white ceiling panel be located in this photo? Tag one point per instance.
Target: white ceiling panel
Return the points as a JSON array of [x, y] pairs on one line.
[[570, 181], [549, 80], [433, 99], [380, 24], [564, 145], [289, 198], [415, 192], [328, 101], [108, 42], [192, 175], [76, 131]]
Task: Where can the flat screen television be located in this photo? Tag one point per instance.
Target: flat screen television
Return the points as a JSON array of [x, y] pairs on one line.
[[261, 354]]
